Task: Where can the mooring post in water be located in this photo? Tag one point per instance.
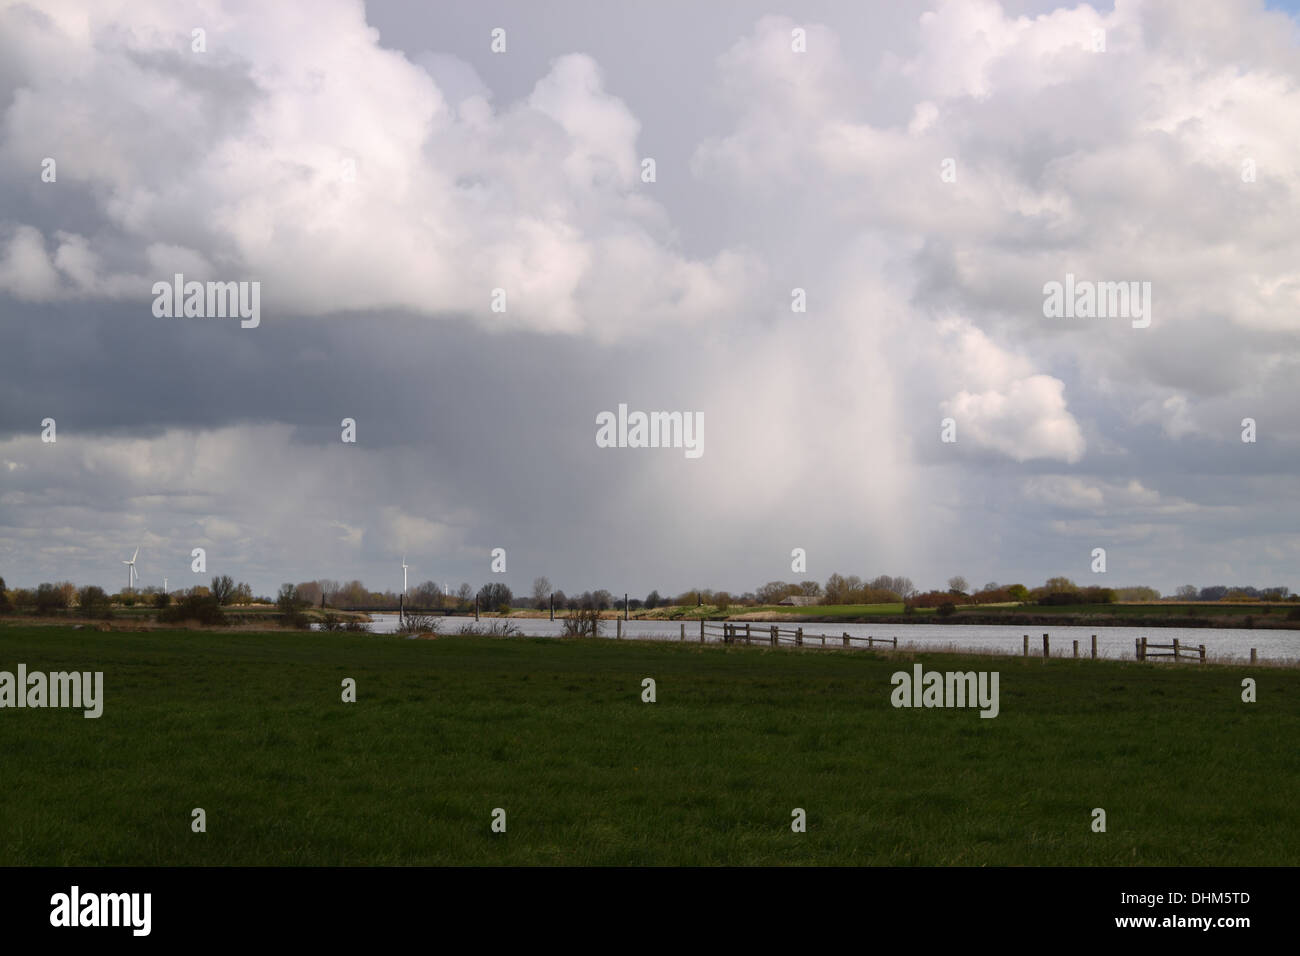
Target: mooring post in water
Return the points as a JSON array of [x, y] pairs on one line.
[[625, 605], [701, 630], [1094, 647], [683, 630], [1076, 648], [1026, 645], [618, 629], [1137, 648], [552, 605], [476, 607], [1252, 655], [1046, 652]]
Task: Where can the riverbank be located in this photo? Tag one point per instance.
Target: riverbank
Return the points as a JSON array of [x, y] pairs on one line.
[[254, 728]]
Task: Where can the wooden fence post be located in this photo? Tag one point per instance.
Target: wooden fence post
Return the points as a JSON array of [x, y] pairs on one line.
[[1094, 647], [683, 630], [774, 635], [1202, 653], [701, 630], [1076, 648], [552, 605], [476, 607], [1046, 651], [1175, 650], [1144, 650], [1026, 645], [618, 629], [746, 633], [846, 640], [1137, 649], [798, 637], [1252, 655]]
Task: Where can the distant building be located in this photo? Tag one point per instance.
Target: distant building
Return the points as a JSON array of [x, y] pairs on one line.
[[799, 601]]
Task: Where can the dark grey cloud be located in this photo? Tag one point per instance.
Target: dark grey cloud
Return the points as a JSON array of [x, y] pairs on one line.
[[477, 430]]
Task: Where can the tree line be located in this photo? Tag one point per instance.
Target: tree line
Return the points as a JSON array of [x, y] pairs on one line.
[[206, 601]]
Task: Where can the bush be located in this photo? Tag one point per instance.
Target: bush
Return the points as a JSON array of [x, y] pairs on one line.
[[161, 600], [930, 599], [946, 609], [495, 597], [50, 599], [419, 624], [584, 622], [491, 629], [93, 602], [291, 608], [202, 608]]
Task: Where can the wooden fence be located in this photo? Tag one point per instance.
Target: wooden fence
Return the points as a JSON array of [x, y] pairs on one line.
[[1175, 650], [771, 634], [775, 635]]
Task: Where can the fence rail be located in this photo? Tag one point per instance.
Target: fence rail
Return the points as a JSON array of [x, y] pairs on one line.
[[735, 632], [1175, 650], [774, 636]]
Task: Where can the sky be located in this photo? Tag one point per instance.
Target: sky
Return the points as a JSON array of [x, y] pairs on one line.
[[458, 249]]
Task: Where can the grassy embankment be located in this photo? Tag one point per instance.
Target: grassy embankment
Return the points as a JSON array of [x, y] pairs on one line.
[[251, 728]]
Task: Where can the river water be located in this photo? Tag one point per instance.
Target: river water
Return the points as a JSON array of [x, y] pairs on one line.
[[1112, 642]]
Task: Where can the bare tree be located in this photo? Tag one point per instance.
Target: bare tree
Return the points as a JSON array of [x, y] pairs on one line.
[[223, 588], [541, 592], [957, 584]]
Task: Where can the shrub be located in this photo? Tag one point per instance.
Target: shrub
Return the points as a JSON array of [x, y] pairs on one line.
[[93, 602], [291, 608], [419, 624], [584, 622], [946, 609], [491, 629], [930, 599], [202, 608], [49, 599]]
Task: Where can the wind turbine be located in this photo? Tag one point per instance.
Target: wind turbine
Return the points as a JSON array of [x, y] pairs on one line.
[[130, 570]]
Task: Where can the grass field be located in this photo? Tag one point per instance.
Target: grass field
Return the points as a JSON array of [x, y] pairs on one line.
[[251, 728]]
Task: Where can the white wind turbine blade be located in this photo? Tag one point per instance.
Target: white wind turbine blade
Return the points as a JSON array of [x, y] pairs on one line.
[[136, 555]]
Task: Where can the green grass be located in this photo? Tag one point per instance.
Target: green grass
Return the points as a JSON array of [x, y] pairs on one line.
[[250, 727], [1204, 609], [837, 610]]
